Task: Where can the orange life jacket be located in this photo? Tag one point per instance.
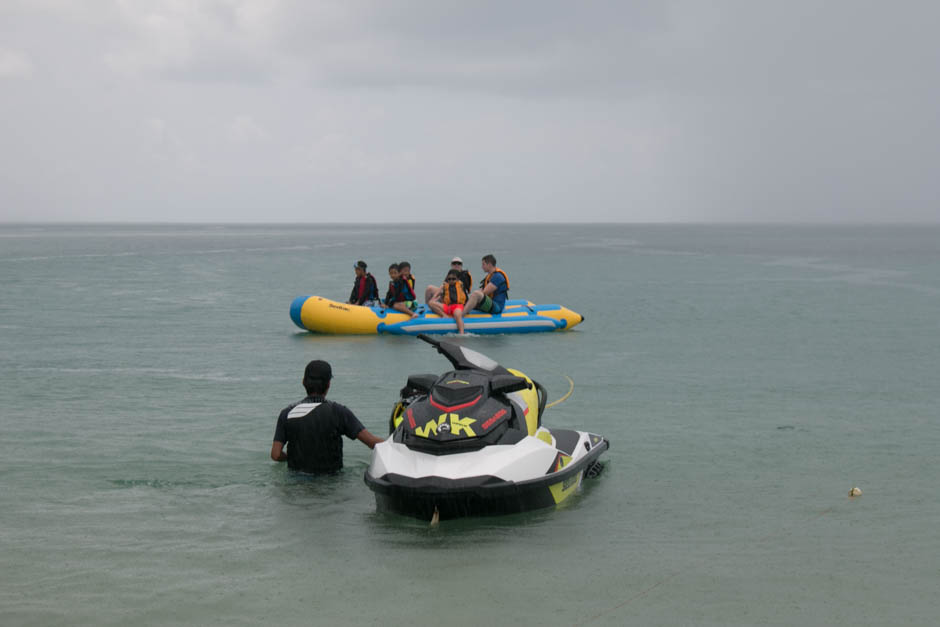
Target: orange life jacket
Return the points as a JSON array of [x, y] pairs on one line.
[[495, 270], [453, 293]]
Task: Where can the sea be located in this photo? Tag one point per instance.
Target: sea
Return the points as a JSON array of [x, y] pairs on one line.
[[746, 376]]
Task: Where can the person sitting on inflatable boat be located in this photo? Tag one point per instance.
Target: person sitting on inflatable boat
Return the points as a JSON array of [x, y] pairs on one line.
[[491, 297], [404, 271], [464, 275], [400, 296], [390, 293], [433, 292], [453, 299], [365, 290]]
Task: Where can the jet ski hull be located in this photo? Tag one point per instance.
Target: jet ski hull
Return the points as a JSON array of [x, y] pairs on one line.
[[418, 495]]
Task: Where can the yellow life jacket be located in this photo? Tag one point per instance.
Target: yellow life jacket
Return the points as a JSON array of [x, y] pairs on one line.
[[495, 270], [453, 293]]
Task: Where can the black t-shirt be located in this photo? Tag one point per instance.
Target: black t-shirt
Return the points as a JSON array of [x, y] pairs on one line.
[[312, 428]]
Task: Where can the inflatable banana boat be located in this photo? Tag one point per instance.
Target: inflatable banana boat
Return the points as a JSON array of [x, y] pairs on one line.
[[322, 315]]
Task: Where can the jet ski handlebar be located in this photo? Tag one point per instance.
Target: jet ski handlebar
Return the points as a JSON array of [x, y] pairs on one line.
[[430, 340], [506, 383], [463, 358]]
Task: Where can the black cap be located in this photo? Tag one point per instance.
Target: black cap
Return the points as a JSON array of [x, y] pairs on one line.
[[318, 370], [360, 264]]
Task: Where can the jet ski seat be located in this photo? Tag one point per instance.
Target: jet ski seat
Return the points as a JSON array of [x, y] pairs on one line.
[[455, 392]]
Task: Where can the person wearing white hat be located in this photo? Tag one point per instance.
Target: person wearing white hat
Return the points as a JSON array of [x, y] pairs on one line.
[[433, 292]]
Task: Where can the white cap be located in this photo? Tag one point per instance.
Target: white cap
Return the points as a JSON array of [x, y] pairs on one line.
[[456, 260]]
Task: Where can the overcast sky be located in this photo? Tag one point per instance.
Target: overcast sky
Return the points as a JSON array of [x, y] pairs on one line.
[[300, 110]]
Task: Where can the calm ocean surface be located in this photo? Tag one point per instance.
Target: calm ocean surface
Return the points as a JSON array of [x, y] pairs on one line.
[[746, 376]]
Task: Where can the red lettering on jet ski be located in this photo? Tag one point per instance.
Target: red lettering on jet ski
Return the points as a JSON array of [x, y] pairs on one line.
[[486, 425], [455, 407]]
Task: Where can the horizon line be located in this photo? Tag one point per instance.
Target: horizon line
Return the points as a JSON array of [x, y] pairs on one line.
[[468, 223]]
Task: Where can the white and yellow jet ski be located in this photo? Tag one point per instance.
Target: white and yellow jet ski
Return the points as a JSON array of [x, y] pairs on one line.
[[470, 442]]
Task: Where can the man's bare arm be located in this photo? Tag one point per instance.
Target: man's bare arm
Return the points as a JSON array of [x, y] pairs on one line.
[[277, 452], [368, 438]]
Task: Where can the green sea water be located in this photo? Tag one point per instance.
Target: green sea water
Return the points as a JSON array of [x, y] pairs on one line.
[[747, 378]]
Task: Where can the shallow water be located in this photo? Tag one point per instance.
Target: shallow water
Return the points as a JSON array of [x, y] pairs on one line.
[[746, 376]]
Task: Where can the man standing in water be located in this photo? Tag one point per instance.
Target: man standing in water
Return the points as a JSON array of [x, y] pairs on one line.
[[313, 427]]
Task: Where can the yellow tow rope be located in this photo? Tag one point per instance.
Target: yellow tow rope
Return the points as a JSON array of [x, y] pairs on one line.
[[563, 398]]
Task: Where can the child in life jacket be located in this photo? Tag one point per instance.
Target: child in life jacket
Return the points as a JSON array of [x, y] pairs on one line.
[[400, 296], [404, 271], [433, 292], [392, 277], [453, 299], [365, 290]]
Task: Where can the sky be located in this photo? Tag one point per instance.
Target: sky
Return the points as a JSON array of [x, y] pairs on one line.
[[403, 111]]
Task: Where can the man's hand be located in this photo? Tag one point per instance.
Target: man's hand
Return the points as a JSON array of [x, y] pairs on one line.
[[278, 453]]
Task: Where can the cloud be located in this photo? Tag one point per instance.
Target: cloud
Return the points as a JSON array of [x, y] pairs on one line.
[[244, 129], [14, 64], [165, 145], [507, 48], [651, 111], [213, 41]]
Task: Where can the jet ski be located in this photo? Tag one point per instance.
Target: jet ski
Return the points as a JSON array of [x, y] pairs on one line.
[[471, 442]]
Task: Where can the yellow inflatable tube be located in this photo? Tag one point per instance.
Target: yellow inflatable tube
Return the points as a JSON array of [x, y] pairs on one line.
[[327, 316]]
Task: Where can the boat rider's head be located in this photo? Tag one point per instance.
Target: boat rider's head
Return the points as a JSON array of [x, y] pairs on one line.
[[456, 264], [489, 263], [317, 376], [360, 268], [404, 269], [393, 271]]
